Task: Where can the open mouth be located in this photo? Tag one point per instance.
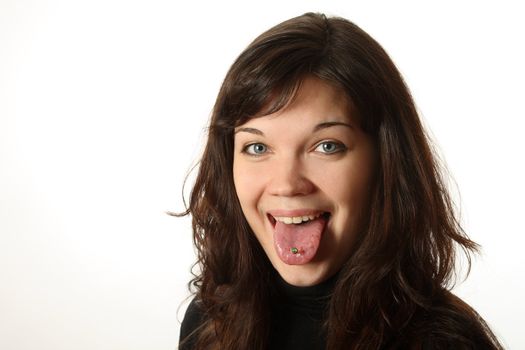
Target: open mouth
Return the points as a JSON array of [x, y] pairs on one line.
[[297, 237], [297, 220]]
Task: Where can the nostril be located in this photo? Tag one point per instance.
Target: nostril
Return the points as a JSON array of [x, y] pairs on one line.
[[288, 181]]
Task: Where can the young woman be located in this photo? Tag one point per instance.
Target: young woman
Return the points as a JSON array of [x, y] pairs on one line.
[[320, 215]]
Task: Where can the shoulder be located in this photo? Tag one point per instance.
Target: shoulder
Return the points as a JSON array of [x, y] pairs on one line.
[[453, 324], [193, 319]]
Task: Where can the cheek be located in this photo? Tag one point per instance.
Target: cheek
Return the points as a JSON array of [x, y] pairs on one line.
[[346, 184], [239, 180], [349, 187], [247, 185], [356, 187], [249, 189]]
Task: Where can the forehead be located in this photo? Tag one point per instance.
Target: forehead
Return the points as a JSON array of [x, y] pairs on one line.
[[315, 101]]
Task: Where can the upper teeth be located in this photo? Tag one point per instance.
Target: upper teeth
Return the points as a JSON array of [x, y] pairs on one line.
[[296, 219]]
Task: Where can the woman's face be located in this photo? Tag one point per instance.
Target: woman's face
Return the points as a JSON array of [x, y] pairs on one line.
[[303, 176]]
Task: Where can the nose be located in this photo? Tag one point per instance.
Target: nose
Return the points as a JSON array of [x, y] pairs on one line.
[[290, 178]]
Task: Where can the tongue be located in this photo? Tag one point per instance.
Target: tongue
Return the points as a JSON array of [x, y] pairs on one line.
[[297, 244]]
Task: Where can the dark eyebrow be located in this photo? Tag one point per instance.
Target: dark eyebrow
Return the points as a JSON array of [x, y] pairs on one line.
[[316, 128], [250, 130], [330, 124]]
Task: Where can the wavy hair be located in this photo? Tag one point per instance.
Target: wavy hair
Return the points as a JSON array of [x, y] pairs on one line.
[[393, 292]]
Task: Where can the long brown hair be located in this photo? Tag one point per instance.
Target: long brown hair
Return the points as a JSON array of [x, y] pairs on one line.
[[394, 290]]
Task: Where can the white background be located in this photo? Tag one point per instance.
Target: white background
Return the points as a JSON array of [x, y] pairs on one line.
[[103, 106]]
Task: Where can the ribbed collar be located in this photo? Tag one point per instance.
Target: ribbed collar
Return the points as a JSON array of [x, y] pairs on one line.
[[322, 289], [312, 299]]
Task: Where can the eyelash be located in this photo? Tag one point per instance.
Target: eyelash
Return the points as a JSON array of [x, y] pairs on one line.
[[248, 149], [340, 147]]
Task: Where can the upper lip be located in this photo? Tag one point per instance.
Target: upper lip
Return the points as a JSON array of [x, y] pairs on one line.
[[272, 214], [294, 212]]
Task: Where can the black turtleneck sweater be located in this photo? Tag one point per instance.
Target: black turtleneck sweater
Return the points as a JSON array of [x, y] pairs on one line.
[[297, 317], [298, 314]]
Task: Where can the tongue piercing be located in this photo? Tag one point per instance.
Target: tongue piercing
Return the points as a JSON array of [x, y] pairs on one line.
[[294, 250]]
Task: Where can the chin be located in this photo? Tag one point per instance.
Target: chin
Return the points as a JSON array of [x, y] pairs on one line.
[[303, 275]]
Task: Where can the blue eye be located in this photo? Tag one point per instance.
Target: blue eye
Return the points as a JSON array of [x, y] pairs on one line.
[[255, 149], [330, 147]]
